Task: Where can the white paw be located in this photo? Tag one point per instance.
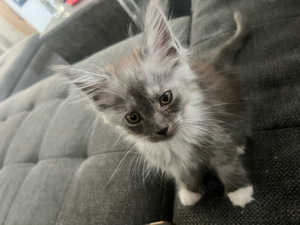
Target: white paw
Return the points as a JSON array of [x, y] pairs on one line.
[[240, 150], [241, 196], [188, 197]]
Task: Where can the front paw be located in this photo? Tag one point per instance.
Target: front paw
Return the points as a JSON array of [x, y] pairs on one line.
[[240, 150], [188, 198], [242, 196]]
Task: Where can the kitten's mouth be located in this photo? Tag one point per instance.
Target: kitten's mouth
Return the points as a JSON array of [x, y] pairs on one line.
[[158, 138]]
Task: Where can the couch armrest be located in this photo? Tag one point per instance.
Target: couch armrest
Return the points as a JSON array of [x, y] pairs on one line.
[[14, 62], [24, 65]]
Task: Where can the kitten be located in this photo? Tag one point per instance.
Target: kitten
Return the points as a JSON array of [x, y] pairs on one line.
[[182, 116]]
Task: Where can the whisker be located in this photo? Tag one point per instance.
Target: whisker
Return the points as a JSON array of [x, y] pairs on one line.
[[225, 103], [117, 169], [112, 108], [95, 121], [205, 130], [130, 166], [216, 113], [115, 142], [185, 130]]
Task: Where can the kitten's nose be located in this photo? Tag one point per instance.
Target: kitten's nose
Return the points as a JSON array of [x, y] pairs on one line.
[[163, 131]]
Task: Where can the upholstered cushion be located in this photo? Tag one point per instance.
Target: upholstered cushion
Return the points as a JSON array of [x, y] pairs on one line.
[[25, 64], [270, 66], [61, 165], [20, 55]]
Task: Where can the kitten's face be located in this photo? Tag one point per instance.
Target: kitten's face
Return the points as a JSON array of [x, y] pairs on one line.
[[148, 98], [148, 94]]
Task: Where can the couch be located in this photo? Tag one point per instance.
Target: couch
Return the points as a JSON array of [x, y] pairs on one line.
[[60, 164]]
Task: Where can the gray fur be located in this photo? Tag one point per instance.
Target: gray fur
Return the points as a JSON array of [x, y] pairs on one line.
[[207, 118]]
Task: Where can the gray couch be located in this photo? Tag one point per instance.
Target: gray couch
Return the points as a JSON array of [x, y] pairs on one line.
[[57, 157]]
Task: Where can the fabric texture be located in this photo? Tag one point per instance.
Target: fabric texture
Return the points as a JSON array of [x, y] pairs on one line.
[[39, 68], [25, 64], [60, 164], [98, 25], [20, 55], [269, 66]]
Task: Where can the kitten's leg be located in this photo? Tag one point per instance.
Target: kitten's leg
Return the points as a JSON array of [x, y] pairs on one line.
[[240, 149], [226, 55], [188, 197], [238, 187], [190, 188]]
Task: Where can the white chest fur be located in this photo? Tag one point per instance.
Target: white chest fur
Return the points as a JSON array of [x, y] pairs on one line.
[[169, 156]]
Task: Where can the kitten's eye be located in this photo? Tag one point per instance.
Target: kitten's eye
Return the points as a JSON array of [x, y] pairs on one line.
[[133, 117], [166, 98]]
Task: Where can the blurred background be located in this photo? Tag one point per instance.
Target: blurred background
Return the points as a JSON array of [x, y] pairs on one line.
[[21, 18]]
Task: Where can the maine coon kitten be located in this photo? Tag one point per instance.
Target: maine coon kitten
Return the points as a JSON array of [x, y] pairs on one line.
[[182, 116]]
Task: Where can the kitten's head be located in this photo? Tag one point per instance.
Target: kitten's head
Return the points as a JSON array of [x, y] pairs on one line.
[[149, 93]]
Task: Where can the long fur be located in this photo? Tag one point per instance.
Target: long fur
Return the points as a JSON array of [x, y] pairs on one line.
[[207, 119]]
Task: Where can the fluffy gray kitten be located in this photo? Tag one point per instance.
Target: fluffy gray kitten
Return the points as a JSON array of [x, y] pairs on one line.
[[182, 116]]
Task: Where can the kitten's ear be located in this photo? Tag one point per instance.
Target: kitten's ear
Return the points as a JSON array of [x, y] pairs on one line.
[[159, 39], [92, 84]]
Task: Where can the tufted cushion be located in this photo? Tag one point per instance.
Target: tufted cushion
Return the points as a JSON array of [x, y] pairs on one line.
[[270, 66], [57, 159]]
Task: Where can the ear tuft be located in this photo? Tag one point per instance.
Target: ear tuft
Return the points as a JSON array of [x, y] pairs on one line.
[[159, 39], [91, 83], [79, 75]]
